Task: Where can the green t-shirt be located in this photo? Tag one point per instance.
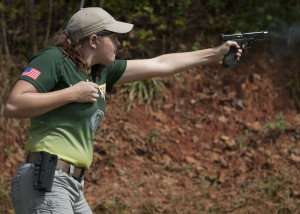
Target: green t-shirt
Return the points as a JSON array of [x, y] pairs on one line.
[[67, 131]]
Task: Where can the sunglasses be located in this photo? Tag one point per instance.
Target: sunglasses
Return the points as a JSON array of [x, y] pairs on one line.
[[104, 33]]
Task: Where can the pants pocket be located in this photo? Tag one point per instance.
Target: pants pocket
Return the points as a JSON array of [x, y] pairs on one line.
[[43, 205]]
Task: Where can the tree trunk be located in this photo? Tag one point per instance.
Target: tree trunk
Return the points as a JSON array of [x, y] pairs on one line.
[[31, 29], [4, 34], [49, 22], [101, 3], [82, 4]]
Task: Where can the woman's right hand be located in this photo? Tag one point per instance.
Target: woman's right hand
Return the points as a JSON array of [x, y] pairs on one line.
[[26, 101], [83, 92]]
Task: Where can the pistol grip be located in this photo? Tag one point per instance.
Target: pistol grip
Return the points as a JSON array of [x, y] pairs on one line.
[[229, 59]]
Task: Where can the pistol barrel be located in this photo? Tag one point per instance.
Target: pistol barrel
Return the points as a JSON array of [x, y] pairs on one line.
[[256, 35], [252, 35]]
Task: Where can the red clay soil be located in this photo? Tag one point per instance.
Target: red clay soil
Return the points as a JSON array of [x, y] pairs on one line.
[[221, 141]]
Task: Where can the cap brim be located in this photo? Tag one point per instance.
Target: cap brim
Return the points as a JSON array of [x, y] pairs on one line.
[[120, 27]]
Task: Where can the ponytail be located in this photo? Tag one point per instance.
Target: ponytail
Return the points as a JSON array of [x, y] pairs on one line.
[[71, 50]]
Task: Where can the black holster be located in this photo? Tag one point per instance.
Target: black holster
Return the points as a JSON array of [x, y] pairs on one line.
[[44, 170]]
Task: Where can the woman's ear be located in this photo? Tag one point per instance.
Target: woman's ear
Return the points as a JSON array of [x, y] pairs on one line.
[[93, 40]]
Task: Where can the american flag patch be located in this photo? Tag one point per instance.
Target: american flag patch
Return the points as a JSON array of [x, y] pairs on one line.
[[31, 72]]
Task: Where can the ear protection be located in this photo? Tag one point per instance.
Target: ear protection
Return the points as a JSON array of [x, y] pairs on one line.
[[94, 41]]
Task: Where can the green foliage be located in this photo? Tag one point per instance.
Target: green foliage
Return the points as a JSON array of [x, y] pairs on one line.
[[277, 187], [144, 91], [8, 150], [157, 19], [277, 128], [154, 136], [280, 125], [195, 47], [153, 19]]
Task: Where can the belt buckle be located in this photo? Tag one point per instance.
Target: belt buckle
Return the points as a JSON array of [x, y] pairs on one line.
[[71, 169]]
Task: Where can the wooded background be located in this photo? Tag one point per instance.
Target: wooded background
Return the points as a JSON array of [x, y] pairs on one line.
[[27, 26]]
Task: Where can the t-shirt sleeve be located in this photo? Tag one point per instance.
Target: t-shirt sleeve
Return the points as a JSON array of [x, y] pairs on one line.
[[114, 73], [43, 70]]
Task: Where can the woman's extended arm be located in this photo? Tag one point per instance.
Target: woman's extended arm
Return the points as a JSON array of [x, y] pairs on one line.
[[173, 63], [26, 101]]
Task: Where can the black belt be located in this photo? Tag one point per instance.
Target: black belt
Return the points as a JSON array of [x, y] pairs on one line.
[[64, 166]]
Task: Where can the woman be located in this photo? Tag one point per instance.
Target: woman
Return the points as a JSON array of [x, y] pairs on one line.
[[62, 90]]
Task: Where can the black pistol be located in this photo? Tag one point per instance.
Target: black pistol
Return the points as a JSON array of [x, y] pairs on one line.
[[241, 38]]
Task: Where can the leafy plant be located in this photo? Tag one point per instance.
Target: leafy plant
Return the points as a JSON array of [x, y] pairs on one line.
[[154, 136], [278, 127], [143, 92], [195, 47], [8, 150]]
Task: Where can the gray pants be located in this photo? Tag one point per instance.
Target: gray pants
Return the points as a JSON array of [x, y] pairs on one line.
[[66, 196]]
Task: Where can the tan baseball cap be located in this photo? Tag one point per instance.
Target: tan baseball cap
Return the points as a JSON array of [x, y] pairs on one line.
[[93, 20]]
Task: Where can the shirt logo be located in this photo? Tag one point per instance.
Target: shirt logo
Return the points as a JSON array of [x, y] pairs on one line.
[[95, 120], [31, 72], [102, 89]]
